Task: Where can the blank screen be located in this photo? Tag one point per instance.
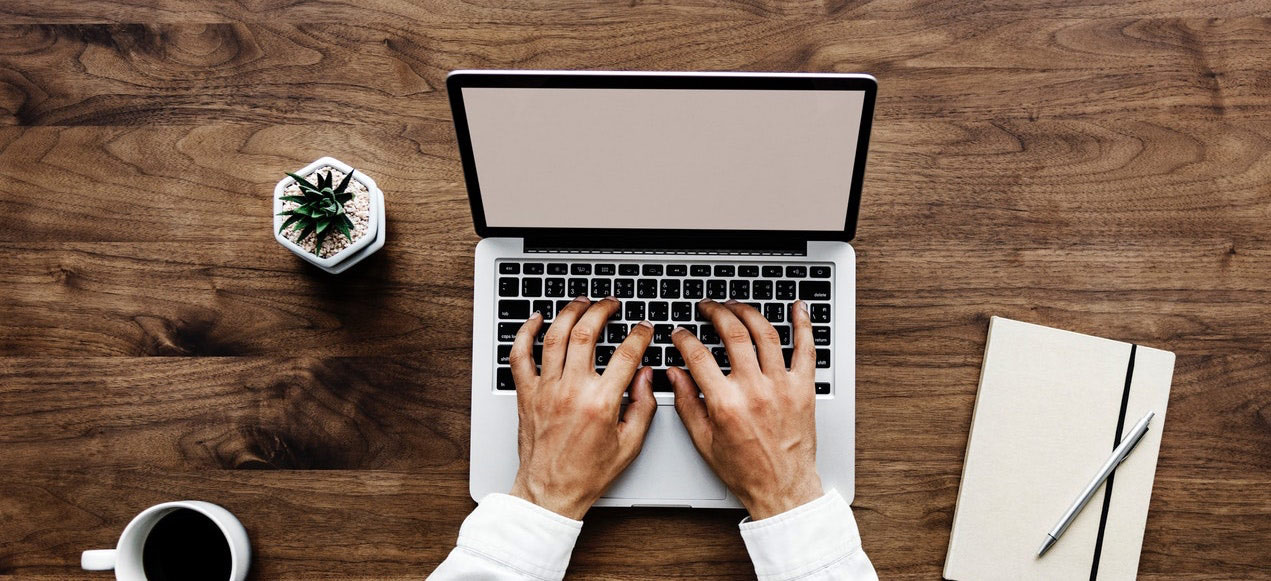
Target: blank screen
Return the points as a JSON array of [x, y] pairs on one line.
[[680, 159]]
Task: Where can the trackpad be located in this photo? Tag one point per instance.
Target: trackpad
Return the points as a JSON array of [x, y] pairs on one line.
[[669, 467]]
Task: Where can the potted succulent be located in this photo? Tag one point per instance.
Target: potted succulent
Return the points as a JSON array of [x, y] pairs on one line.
[[329, 214]]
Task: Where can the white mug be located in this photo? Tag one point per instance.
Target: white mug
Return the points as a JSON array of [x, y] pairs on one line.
[[125, 558]]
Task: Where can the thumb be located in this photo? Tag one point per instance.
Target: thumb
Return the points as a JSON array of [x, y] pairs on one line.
[[691, 408], [639, 414]]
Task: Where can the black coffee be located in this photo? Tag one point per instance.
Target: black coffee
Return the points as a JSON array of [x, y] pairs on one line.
[[186, 546]]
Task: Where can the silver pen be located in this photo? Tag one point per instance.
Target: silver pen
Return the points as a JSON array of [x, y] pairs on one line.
[[1119, 454]]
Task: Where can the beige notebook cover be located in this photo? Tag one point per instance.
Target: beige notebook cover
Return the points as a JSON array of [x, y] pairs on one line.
[[1046, 418]]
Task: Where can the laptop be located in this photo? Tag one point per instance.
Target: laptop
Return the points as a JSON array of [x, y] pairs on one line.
[[662, 189]]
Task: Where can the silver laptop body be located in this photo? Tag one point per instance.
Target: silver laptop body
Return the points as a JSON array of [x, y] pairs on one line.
[[662, 189]]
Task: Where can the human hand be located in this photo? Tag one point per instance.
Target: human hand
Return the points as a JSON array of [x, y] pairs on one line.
[[573, 438], [756, 427]]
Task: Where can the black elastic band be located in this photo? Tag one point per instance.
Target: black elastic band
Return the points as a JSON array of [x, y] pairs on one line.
[[1107, 489]]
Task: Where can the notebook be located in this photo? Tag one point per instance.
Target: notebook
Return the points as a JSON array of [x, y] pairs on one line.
[[1046, 417]]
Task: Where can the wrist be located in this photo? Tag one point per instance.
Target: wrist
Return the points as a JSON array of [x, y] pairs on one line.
[[567, 506], [767, 505]]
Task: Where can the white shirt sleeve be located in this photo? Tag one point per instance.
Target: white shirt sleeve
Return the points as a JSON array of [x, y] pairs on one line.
[[813, 542], [510, 538]]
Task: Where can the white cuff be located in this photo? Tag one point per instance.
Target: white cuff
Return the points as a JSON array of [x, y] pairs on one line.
[[802, 540], [520, 535]]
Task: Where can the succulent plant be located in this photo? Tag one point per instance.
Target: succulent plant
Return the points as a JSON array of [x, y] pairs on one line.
[[320, 210]]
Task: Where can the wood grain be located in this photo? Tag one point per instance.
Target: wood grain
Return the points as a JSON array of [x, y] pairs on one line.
[[1102, 167]]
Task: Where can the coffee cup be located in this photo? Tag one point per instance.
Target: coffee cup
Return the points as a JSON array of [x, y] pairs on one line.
[[188, 540]]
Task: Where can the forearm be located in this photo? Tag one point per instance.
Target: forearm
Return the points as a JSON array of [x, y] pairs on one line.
[[508, 538], [816, 541]]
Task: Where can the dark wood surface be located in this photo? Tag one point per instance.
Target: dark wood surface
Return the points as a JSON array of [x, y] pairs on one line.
[[1101, 167]]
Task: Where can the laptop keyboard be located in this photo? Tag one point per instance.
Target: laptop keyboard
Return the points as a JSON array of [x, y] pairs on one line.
[[666, 294]]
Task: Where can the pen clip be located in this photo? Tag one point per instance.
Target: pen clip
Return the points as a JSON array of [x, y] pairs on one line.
[[1136, 443]]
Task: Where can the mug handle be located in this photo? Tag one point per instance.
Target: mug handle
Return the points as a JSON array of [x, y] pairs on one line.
[[98, 560]]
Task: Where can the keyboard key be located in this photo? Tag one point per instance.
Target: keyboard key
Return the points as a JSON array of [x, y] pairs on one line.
[[544, 307], [681, 311], [615, 332], [814, 290], [690, 328], [748, 271], [533, 268], [652, 357], [509, 268], [514, 309], [557, 268], [603, 354], [774, 312], [647, 288], [725, 270], [820, 271], [709, 336], [624, 288], [821, 335], [503, 379], [659, 311], [772, 272], [761, 290], [662, 334], [677, 270], [673, 358], [787, 354], [739, 290], [783, 331], [581, 269], [755, 306], [635, 311], [560, 306], [554, 287], [577, 287], [660, 381], [504, 354], [542, 332], [600, 287], [820, 313], [717, 289], [721, 356], [785, 290], [652, 270], [669, 289], [823, 388], [606, 269], [531, 287], [628, 269], [507, 332], [700, 270], [507, 287], [796, 271], [822, 358], [694, 288]]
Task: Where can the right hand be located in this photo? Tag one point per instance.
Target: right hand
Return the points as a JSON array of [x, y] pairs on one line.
[[756, 427]]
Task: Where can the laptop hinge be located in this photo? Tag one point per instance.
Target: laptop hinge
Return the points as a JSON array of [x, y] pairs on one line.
[[756, 246]]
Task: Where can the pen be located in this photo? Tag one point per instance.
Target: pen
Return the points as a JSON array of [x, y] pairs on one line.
[[1118, 455]]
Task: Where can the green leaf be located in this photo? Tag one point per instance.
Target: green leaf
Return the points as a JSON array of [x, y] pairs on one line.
[[303, 211], [305, 233], [299, 180], [344, 197], [323, 224], [292, 220], [343, 226], [324, 182], [344, 184], [317, 247], [285, 213], [296, 199], [347, 221]]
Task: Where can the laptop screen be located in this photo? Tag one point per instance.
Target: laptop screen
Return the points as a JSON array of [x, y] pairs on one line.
[[665, 159]]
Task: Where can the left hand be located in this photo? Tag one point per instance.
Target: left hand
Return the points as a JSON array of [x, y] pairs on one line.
[[573, 438]]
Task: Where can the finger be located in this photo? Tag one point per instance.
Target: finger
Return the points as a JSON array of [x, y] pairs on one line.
[[767, 341], [581, 356], [627, 357], [699, 360], [521, 357], [556, 342], [690, 407], [736, 338], [639, 414], [803, 362]]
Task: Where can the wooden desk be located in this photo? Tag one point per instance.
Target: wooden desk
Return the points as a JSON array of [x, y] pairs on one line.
[[1102, 168]]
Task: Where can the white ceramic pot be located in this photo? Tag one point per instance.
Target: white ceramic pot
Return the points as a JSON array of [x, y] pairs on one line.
[[371, 241]]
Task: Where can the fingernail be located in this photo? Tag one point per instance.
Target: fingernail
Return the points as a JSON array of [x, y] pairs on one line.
[[706, 300], [611, 298], [803, 306], [582, 299], [730, 302], [536, 315], [645, 324], [677, 329]]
